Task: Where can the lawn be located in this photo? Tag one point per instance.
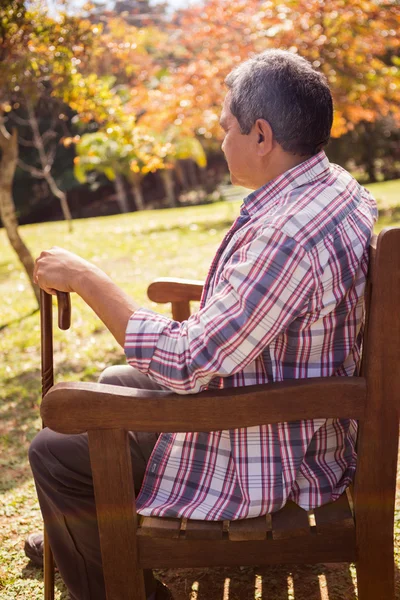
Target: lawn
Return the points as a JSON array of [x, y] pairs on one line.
[[133, 249]]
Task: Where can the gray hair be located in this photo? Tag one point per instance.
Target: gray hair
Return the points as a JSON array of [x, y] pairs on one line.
[[285, 90]]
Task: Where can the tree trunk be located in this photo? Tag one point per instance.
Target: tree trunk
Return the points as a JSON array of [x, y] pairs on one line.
[[192, 170], [370, 152], [168, 181], [122, 198], [8, 164], [137, 193], [180, 168]]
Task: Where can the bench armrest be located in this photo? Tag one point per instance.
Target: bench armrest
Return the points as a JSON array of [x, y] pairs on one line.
[[173, 289], [80, 407]]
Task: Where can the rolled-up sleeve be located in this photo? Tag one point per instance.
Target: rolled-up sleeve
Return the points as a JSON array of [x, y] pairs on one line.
[[265, 285]]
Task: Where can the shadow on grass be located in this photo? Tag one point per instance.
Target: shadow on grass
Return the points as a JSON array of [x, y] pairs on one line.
[[36, 574], [19, 319], [278, 582], [275, 582]]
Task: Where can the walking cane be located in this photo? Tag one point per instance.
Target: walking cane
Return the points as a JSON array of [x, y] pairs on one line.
[[46, 339]]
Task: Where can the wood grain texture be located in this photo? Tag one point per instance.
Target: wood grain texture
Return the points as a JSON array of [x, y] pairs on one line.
[[180, 310], [175, 290], [165, 554], [289, 522], [204, 530], [249, 529], [48, 569], [47, 372], [367, 300], [64, 310], [116, 515], [46, 341], [157, 527], [78, 407], [375, 483], [333, 515]]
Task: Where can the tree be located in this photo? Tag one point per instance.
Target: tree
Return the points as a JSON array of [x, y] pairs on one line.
[[131, 151], [38, 57], [119, 151], [45, 143], [178, 147], [355, 44], [139, 13]]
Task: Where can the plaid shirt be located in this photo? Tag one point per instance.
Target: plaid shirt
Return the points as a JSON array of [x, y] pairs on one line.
[[283, 300]]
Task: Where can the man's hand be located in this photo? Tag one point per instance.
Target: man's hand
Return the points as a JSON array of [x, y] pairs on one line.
[[60, 270]]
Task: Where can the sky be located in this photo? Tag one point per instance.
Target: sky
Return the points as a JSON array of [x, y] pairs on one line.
[[177, 3], [77, 3]]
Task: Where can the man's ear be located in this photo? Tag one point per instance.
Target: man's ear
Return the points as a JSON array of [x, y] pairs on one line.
[[265, 137]]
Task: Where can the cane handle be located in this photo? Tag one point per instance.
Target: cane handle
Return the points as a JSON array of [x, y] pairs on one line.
[[64, 310]]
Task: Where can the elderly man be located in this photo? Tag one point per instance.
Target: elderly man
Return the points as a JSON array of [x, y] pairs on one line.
[[283, 300]]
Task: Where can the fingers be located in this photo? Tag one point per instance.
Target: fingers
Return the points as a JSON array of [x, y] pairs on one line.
[[35, 269], [48, 290], [53, 269], [38, 271]]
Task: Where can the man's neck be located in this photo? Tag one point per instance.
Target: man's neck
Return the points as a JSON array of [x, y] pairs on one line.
[[278, 163]]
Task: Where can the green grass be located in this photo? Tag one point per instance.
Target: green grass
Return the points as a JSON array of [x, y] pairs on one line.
[[133, 249], [387, 195]]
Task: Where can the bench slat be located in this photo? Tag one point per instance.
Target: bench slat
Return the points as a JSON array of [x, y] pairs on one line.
[[290, 521], [333, 515], [204, 530], [248, 529], [159, 527]]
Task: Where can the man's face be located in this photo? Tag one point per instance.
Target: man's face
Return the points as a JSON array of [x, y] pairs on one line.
[[239, 149]]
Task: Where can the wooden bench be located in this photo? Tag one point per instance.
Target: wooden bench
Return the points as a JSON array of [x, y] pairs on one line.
[[358, 527]]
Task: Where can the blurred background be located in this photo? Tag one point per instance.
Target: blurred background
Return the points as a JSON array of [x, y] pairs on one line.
[[115, 105]]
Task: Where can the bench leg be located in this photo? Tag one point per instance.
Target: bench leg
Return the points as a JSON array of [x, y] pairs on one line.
[[375, 574]]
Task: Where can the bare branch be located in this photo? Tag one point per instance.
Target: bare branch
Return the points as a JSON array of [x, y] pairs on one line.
[[54, 119], [46, 161], [19, 120], [37, 138], [26, 143], [51, 154], [37, 173], [4, 134], [48, 135]]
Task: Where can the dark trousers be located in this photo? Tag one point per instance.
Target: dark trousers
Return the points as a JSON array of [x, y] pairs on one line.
[[61, 469]]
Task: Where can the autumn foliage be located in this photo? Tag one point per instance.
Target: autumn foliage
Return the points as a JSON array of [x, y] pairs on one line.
[[354, 43], [162, 74]]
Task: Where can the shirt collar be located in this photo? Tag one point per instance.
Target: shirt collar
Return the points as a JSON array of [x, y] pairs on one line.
[[309, 171]]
